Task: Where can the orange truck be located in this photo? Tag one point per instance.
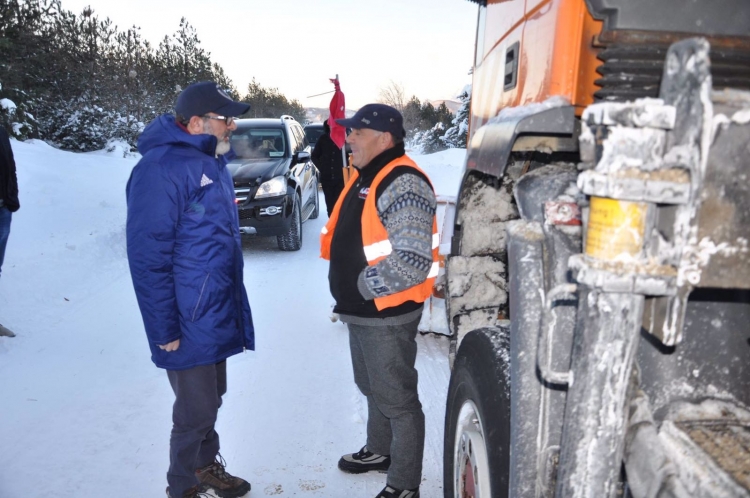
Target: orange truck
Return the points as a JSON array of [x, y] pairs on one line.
[[598, 283]]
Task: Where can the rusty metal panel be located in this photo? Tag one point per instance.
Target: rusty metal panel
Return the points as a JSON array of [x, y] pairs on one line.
[[724, 215]]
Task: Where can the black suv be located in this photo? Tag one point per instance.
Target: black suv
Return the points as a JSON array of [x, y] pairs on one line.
[[275, 182], [313, 131]]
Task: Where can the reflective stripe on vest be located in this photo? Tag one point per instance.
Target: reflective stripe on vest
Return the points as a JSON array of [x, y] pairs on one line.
[[376, 245], [383, 248]]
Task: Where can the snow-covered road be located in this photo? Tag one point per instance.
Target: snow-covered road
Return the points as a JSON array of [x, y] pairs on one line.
[[84, 412]]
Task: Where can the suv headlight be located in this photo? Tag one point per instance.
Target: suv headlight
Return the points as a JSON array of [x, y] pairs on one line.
[[273, 187]]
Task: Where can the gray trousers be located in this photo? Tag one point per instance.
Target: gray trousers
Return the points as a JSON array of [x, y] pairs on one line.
[[383, 359], [194, 443]]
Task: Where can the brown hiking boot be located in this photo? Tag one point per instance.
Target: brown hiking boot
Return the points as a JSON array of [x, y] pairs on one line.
[[222, 482], [196, 491]]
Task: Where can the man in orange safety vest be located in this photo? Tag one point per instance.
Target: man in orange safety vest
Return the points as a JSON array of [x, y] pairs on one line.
[[382, 241]]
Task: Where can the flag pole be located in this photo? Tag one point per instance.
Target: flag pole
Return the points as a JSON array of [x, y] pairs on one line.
[[344, 162]]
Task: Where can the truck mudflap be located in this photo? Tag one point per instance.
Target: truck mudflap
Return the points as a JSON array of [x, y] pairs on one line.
[[655, 170], [434, 319], [540, 341]]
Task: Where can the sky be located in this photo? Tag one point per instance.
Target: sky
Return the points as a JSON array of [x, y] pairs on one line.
[[85, 413], [426, 46]]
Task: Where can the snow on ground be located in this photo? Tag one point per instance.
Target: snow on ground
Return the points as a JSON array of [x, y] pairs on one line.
[[84, 411]]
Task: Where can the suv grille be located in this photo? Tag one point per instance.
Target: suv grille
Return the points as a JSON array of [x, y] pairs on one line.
[[244, 192]]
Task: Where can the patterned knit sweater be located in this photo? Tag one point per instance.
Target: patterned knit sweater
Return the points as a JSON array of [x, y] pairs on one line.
[[406, 208]]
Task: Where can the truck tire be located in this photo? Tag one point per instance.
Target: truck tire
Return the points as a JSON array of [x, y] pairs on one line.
[[477, 421], [292, 239]]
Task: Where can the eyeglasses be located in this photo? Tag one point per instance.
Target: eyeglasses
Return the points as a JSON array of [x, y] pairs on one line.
[[228, 120]]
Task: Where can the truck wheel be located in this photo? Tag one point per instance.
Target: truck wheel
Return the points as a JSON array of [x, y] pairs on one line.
[[477, 421], [292, 239]]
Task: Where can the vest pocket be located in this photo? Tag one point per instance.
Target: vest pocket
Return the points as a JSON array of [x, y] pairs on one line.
[[200, 298]]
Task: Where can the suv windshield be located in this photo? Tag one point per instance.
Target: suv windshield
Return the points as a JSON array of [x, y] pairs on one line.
[[258, 143], [313, 133]]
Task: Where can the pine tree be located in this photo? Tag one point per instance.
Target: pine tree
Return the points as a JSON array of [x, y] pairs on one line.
[[412, 116], [78, 82], [432, 140], [270, 103], [443, 115], [428, 116], [25, 59], [457, 135]]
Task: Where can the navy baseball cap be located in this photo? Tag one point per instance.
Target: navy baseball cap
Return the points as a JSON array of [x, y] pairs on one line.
[[204, 97], [378, 117]]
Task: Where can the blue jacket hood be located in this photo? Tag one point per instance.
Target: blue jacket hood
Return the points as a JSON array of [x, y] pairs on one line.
[[164, 130]]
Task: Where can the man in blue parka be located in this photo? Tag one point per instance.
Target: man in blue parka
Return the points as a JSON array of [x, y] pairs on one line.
[[186, 263]]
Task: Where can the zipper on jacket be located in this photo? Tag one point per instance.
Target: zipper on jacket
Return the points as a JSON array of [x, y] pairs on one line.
[[200, 296]]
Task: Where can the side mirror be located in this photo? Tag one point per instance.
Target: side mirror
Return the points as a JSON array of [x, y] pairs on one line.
[[301, 157]]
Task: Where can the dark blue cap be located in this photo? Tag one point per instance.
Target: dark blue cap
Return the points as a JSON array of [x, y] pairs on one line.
[[378, 117], [204, 97]]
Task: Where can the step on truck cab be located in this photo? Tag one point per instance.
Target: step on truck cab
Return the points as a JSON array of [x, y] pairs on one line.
[[598, 281]]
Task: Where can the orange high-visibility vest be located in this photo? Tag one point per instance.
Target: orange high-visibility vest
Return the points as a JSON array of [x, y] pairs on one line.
[[376, 245]]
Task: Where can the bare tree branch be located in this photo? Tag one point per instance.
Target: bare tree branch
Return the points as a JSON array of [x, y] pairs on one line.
[[393, 95]]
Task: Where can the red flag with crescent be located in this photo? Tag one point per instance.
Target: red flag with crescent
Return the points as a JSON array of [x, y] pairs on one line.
[[337, 110]]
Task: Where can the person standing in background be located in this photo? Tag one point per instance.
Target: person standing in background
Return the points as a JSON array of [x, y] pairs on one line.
[[8, 201], [327, 157]]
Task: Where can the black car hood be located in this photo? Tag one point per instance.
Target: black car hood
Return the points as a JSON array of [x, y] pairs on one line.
[[246, 171]]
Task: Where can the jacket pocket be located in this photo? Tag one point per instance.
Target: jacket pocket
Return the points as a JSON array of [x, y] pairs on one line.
[[200, 298]]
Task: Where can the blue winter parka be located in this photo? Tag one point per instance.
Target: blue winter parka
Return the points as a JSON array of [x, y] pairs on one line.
[[184, 249]]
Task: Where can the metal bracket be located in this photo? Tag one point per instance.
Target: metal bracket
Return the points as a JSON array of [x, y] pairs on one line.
[[635, 278], [558, 293]]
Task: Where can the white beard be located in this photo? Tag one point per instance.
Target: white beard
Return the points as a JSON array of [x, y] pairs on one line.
[[222, 147]]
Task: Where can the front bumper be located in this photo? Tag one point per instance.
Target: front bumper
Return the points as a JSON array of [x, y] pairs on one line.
[[267, 217]]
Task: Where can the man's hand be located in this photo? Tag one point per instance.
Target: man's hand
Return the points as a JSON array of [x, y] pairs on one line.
[[172, 346]]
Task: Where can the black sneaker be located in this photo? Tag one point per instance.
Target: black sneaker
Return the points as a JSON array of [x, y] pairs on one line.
[[364, 461], [391, 492]]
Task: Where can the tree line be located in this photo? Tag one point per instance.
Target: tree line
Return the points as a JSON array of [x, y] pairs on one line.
[[429, 128], [77, 81]]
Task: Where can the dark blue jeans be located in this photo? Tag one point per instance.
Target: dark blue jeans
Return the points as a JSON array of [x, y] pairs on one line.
[[194, 443], [5, 216]]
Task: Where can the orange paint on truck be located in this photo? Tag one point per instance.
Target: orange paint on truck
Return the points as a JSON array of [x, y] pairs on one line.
[[557, 56]]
